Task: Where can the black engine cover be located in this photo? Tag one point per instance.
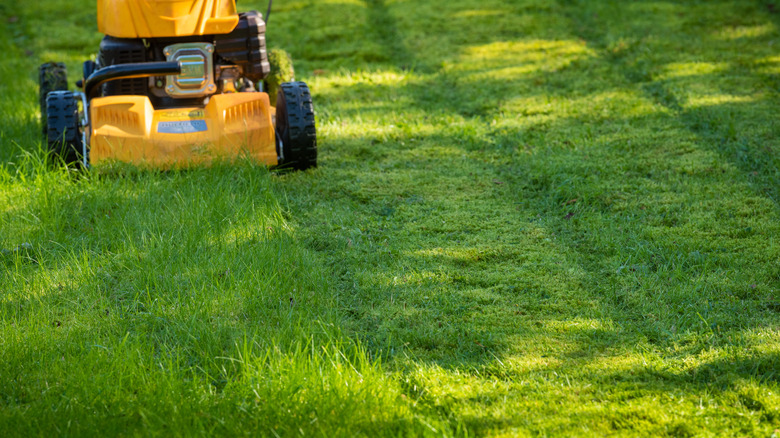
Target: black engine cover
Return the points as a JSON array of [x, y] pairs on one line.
[[123, 51], [245, 46]]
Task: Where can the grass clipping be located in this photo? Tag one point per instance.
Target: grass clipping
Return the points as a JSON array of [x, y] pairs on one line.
[[281, 71]]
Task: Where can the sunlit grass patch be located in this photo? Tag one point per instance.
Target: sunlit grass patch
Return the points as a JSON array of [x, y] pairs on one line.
[[512, 58], [769, 65], [755, 31], [691, 69], [720, 99]]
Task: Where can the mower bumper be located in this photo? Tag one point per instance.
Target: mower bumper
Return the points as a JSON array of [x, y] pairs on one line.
[[129, 129]]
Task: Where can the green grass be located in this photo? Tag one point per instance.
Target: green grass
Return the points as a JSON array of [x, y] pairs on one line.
[[531, 218]]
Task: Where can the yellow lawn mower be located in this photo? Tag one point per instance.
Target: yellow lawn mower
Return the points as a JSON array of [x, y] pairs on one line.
[[178, 82]]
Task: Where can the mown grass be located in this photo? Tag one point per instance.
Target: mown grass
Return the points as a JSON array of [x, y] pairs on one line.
[[530, 218]]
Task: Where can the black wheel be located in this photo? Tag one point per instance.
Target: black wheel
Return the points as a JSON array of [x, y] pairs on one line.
[[62, 126], [295, 126], [52, 76]]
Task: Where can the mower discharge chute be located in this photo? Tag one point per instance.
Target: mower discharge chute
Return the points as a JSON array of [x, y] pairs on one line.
[[177, 82]]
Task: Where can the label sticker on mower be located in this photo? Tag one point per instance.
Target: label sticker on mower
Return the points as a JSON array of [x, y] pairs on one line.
[[182, 127], [182, 114]]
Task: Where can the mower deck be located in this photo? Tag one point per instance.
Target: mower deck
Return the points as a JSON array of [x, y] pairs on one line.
[[128, 128]]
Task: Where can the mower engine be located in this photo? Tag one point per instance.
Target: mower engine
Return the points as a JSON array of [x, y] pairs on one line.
[[223, 60], [177, 82]]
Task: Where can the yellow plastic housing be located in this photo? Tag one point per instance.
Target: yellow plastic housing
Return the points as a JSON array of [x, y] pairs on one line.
[[165, 18], [129, 129]]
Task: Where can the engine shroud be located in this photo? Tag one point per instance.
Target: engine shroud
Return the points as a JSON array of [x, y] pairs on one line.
[[246, 47], [207, 61]]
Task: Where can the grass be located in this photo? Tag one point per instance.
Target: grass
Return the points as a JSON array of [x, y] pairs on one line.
[[531, 218]]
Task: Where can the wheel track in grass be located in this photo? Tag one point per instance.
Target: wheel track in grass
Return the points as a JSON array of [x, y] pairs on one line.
[[473, 247], [429, 191], [385, 32], [728, 128], [728, 131]]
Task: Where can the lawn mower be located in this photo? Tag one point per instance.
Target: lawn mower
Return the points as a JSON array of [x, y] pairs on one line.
[[177, 82]]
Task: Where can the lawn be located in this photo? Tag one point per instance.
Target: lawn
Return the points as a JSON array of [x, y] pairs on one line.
[[530, 218]]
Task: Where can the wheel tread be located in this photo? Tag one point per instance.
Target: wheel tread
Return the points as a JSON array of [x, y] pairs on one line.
[[300, 135], [52, 76], [62, 126]]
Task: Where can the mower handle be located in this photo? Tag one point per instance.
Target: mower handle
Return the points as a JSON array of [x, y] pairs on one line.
[[128, 71]]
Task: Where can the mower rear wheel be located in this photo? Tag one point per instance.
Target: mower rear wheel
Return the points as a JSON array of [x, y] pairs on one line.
[[62, 126], [52, 76], [295, 126]]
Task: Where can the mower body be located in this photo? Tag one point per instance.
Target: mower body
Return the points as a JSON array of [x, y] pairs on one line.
[[166, 18], [129, 129], [178, 82]]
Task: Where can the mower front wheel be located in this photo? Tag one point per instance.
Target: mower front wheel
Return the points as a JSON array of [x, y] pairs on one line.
[[295, 126], [62, 126]]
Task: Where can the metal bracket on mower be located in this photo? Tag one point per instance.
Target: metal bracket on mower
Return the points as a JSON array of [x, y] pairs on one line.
[[84, 128], [279, 146]]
